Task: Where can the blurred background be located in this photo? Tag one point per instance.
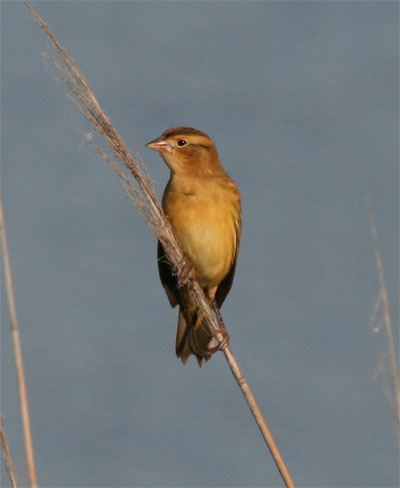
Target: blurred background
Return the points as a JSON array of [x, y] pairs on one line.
[[301, 99]]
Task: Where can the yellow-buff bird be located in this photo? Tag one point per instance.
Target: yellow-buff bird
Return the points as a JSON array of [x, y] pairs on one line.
[[202, 203]]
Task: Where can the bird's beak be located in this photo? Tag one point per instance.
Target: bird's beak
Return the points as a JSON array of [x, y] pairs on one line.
[[160, 145]]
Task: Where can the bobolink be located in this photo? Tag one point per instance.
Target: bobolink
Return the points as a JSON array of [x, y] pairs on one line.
[[202, 203]]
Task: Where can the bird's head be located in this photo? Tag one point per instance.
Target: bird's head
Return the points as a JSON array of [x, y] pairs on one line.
[[187, 152]]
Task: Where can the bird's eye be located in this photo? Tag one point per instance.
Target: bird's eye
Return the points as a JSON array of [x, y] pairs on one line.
[[182, 142]]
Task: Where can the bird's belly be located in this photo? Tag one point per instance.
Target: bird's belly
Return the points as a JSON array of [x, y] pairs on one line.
[[207, 236]]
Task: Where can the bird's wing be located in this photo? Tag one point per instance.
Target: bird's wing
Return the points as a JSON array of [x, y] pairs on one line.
[[167, 277], [226, 283]]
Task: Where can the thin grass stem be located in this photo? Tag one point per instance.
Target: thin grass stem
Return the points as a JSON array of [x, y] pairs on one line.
[[23, 393], [387, 322], [7, 455]]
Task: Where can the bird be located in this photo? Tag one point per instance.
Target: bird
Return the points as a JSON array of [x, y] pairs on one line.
[[203, 206]]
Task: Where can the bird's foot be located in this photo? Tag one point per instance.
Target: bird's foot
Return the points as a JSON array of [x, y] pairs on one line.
[[219, 341], [186, 274], [217, 311]]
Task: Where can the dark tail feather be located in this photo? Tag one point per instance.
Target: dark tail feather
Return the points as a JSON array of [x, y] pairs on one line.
[[191, 340]]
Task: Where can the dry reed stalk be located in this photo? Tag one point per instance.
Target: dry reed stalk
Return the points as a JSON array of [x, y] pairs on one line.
[[7, 455], [383, 302], [23, 394], [141, 191]]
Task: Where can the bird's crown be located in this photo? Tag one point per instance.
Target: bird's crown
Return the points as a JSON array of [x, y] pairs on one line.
[[182, 131]]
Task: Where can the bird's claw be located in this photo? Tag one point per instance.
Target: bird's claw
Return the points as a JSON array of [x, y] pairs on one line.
[[186, 274], [219, 341]]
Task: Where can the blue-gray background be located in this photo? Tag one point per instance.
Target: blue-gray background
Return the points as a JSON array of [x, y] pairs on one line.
[[301, 100]]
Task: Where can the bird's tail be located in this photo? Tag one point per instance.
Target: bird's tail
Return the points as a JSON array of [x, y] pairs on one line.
[[191, 337]]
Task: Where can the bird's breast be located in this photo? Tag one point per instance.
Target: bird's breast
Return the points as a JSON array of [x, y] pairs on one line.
[[205, 220]]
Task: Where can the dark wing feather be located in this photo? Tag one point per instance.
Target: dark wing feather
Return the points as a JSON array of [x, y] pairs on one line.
[[168, 279], [226, 283]]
